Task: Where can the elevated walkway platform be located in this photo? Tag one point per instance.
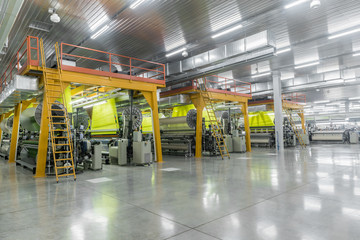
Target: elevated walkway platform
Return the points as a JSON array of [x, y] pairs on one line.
[[220, 89], [85, 66]]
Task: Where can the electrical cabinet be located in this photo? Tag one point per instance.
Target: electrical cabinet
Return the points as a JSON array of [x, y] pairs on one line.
[[239, 144], [122, 151], [142, 152]]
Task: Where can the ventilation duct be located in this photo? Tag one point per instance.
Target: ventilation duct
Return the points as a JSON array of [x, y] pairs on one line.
[[19, 89], [250, 48]]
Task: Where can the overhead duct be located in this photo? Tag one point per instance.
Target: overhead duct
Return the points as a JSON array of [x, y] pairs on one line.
[[18, 89], [174, 100], [250, 48]]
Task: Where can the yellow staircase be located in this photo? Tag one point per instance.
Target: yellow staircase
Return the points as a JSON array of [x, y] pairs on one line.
[[216, 126], [295, 129], [59, 122]]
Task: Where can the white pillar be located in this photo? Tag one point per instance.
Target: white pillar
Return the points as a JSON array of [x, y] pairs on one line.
[[279, 134]]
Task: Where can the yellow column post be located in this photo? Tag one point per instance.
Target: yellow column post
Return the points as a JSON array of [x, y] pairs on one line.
[[1, 132], [151, 98], [247, 126], [199, 105], [15, 133], [43, 141], [302, 117]]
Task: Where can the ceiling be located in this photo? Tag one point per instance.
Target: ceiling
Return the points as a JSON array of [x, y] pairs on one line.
[[157, 27]]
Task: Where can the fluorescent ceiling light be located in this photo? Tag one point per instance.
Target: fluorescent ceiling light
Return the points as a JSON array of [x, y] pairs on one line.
[[227, 31], [307, 65], [95, 104], [78, 100], [98, 23], [283, 50], [175, 52], [350, 80], [295, 3], [325, 101], [356, 54], [101, 31], [344, 33], [136, 4], [261, 75], [354, 98], [335, 81]]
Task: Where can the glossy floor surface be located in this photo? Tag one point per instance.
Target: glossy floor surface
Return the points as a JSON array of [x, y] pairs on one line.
[[301, 194]]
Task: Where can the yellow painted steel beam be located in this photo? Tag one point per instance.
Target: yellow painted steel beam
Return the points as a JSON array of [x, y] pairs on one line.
[[270, 107], [15, 133], [151, 98], [8, 114], [26, 104], [247, 126], [302, 117], [291, 105], [43, 141], [78, 90], [229, 97], [1, 132], [199, 104], [90, 79]]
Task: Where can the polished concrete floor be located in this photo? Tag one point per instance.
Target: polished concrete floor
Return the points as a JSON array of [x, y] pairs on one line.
[[301, 194]]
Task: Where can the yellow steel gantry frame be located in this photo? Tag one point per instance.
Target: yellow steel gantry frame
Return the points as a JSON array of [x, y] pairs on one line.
[[19, 108], [199, 104], [286, 105], [1, 132], [149, 90]]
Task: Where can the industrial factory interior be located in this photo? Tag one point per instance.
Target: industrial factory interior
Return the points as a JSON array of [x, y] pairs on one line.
[[180, 119]]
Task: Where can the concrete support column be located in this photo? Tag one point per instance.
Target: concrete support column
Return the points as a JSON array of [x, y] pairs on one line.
[[279, 134], [15, 133]]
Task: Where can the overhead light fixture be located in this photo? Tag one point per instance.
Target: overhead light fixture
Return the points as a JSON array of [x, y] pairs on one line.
[[261, 75], [344, 33], [227, 31], [98, 23], [95, 104], [283, 50], [295, 3], [354, 98], [77, 101], [324, 101], [350, 80], [307, 65], [315, 4], [175, 52], [335, 81], [136, 4], [54, 17], [356, 54], [101, 31]]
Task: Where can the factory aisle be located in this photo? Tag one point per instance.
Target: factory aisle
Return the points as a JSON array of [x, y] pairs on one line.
[[302, 194]]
